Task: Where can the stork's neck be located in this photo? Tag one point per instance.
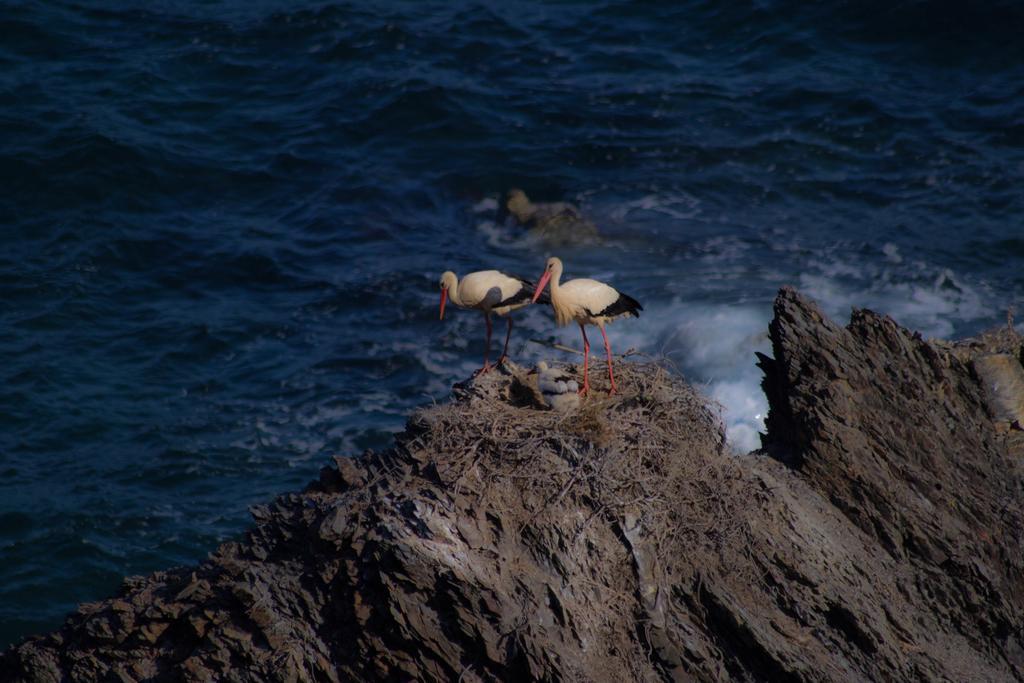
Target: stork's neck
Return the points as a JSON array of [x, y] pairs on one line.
[[453, 292], [562, 316], [556, 276]]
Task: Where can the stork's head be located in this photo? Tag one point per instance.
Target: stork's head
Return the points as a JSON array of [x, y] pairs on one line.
[[553, 264], [553, 269], [448, 281]]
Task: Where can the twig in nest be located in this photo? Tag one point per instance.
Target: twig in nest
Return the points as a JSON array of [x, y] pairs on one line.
[[586, 523], [559, 347], [568, 349]]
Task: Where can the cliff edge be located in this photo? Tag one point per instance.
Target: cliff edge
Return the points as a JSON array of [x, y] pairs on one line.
[[877, 536]]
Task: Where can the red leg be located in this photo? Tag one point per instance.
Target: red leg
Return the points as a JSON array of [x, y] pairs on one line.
[[586, 362], [608, 350], [487, 347], [508, 335]]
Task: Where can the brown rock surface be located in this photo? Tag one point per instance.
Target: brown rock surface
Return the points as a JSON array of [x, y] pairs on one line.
[[878, 539]]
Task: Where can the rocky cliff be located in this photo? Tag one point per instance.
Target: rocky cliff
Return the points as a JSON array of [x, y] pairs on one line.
[[876, 537]]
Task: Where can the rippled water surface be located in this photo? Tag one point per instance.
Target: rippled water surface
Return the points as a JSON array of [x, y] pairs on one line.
[[222, 224]]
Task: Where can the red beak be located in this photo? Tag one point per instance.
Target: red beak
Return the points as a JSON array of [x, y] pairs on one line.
[[541, 285], [444, 298]]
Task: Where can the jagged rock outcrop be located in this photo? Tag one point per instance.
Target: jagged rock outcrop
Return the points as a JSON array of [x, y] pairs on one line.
[[877, 537]]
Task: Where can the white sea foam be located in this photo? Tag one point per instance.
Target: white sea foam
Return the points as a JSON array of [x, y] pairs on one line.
[[892, 253], [678, 205], [715, 345], [505, 237], [486, 205], [934, 301], [321, 415]]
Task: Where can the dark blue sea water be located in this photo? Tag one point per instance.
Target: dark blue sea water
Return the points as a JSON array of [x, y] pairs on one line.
[[222, 224]]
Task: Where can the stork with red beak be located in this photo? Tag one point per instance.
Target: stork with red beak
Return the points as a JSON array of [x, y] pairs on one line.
[[488, 291], [588, 302]]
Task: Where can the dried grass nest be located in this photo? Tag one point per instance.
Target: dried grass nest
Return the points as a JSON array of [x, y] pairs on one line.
[[654, 452]]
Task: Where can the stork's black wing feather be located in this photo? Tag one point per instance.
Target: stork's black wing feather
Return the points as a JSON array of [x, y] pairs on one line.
[[525, 294], [624, 305]]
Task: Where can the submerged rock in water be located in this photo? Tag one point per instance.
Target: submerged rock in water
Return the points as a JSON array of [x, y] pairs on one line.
[[877, 538], [556, 223]]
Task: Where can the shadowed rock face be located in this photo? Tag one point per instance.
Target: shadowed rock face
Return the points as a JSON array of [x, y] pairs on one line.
[[895, 432], [878, 539]]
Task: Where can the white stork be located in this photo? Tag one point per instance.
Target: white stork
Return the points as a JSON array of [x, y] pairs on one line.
[[489, 291], [588, 302]]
